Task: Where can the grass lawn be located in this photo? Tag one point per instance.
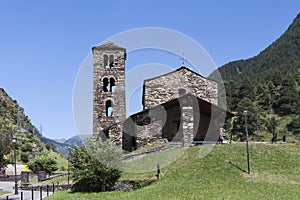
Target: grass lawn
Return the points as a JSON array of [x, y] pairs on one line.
[[60, 180], [3, 192], [275, 174]]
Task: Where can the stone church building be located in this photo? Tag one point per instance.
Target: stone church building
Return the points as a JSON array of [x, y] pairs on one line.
[[180, 106]]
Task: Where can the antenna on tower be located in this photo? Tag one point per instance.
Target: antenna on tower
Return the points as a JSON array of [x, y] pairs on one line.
[[41, 130], [183, 59]]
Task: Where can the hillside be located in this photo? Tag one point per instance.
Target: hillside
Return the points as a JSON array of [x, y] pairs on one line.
[[220, 175], [78, 139], [282, 55], [62, 147], [14, 121], [268, 87]]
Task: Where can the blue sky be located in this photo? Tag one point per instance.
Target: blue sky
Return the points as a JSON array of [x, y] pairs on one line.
[[43, 43]]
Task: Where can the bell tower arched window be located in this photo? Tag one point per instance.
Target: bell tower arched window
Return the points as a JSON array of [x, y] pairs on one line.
[[108, 108], [105, 85], [105, 58], [112, 85], [111, 61]]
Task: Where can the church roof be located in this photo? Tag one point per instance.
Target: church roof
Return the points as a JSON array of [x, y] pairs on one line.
[[109, 45], [179, 69]]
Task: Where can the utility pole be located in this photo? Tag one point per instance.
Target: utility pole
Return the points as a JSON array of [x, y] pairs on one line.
[[14, 141], [247, 146], [68, 165], [257, 124]]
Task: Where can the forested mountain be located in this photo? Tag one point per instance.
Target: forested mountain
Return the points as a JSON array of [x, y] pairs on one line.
[[268, 86], [282, 55]]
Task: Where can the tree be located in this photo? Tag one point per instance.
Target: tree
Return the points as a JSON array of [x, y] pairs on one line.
[[294, 125], [239, 121], [232, 96], [247, 90], [43, 162], [287, 100], [263, 96], [271, 127], [94, 167]]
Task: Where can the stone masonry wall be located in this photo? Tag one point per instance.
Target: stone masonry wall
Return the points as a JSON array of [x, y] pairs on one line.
[[166, 87], [188, 124]]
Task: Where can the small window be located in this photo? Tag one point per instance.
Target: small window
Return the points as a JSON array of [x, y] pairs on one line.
[[112, 85], [105, 58], [108, 108], [105, 85], [181, 91], [111, 61]]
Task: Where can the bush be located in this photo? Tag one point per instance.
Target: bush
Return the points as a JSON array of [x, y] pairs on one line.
[[48, 147], [95, 167], [26, 148], [62, 169], [43, 163], [24, 157]]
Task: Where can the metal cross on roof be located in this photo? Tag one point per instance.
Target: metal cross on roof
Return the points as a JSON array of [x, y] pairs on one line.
[[183, 59]]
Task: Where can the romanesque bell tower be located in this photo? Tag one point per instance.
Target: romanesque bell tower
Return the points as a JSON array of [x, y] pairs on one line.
[[109, 109]]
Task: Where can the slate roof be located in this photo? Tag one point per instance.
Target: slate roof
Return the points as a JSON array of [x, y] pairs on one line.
[[108, 45]]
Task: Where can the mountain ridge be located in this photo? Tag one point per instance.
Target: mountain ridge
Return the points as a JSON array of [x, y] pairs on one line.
[[282, 55], [63, 147]]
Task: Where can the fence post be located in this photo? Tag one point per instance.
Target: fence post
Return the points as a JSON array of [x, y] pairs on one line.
[[41, 194], [32, 194], [21, 195], [47, 190], [53, 188]]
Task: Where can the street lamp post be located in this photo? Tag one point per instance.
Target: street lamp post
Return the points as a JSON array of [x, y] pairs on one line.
[[68, 165], [14, 141], [247, 148]]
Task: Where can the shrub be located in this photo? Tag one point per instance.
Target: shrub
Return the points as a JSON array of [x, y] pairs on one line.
[[95, 167], [24, 157], [43, 163], [26, 148], [62, 169]]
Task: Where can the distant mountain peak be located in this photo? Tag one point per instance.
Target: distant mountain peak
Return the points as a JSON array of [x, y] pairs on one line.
[[60, 140]]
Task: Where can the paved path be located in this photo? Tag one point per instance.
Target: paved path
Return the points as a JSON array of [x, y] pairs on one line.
[[9, 186]]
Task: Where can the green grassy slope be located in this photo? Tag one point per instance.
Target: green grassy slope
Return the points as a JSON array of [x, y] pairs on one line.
[[3, 192], [220, 175]]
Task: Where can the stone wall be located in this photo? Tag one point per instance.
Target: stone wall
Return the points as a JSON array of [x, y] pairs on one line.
[[188, 125], [167, 87], [138, 132]]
